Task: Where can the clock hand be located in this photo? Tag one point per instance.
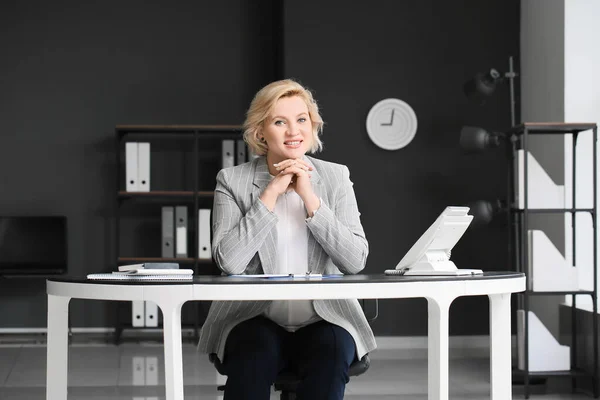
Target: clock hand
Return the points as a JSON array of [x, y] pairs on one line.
[[391, 121]]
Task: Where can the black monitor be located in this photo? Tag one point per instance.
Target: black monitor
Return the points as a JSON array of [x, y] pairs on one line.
[[33, 245]]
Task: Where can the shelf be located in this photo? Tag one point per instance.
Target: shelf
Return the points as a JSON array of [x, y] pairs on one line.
[[552, 127], [160, 259], [159, 193], [573, 372], [560, 293], [551, 210], [222, 130]]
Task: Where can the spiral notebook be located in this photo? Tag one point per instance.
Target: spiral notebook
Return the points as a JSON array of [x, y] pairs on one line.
[[119, 277]]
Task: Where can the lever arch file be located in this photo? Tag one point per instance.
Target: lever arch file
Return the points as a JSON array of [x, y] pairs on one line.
[[137, 313], [181, 220], [168, 227], [144, 167], [151, 372], [151, 314], [131, 167], [240, 157], [138, 371], [228, 153], [204, 250]]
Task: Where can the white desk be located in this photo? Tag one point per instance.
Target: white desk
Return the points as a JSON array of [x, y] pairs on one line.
[[170, 296]]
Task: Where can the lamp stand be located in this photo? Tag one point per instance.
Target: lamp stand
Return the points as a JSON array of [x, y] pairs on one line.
[[511, 74]]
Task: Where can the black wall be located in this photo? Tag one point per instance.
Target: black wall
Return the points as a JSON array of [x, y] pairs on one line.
[[71, 72], [353, 54]]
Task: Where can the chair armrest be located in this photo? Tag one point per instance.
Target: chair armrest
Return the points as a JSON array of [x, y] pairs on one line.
[[360, 367], [214, 359]]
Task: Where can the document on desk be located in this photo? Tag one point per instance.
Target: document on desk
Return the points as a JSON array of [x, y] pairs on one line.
[[123, 277], [292, 276]]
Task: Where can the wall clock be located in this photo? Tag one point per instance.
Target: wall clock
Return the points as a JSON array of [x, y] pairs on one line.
[[391, 124]]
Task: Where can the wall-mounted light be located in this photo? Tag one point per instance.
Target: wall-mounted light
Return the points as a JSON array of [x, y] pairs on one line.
[[483, 85], [484, 211], [474, 139]]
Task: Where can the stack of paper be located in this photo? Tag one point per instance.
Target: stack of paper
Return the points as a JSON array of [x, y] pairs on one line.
[[147, 271]]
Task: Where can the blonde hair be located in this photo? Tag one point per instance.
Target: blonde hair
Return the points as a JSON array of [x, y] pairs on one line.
[[263, 104]]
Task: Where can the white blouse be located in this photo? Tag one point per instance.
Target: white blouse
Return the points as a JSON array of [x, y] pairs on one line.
[[292, 258]]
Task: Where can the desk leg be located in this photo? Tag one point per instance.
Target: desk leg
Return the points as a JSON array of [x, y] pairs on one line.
[[173, 350], [57, 348], [500, 347], [437, 343]]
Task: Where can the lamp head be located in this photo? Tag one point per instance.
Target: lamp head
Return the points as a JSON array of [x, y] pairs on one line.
[[475, 139], [482, 86], [484, 211]]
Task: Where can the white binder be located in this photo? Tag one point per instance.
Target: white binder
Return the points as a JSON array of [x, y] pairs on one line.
[[144, 167], [151, 371], [240, 156], [228, 153], [151, 314], [131, 167], [168, 228], [137, 313], [138, 371], [204, 251], [181, 220]]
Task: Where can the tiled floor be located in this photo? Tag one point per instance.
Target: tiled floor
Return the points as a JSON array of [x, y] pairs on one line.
[[135, 372]]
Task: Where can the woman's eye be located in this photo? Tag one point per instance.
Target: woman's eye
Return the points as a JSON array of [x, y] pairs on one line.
[[302, 120], [279, 122]]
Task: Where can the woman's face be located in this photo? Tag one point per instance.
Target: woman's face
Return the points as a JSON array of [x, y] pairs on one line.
[[288, 130]]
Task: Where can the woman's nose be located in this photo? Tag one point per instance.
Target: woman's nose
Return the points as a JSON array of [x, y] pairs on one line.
[[292, 129]]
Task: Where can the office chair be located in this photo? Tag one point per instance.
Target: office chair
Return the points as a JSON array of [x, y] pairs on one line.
[[287, 381]]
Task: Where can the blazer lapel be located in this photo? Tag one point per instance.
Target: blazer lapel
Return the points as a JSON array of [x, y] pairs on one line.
[[268, 251]]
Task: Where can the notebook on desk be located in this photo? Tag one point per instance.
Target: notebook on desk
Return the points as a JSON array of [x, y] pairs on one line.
[[430, 255]]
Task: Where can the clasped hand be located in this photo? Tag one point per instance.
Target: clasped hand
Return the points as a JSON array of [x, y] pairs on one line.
[[293, 174]]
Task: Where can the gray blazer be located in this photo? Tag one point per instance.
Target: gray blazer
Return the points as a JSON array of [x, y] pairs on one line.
[[245, 242]]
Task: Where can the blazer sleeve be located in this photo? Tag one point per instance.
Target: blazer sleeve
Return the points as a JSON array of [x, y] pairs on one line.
[[237, 236], [338, 229]]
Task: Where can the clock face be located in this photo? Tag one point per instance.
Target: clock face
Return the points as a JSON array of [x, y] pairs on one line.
[[391, 124]]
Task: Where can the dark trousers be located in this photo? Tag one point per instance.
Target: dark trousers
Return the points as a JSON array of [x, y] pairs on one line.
[[258, 349]]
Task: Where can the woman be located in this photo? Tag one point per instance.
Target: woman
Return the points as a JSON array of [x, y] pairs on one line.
[[285, 212]]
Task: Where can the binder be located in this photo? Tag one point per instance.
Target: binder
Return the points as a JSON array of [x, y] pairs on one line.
[[168, 227], [131, 167], [139, 371], [144, 167], [151, 314], [137, 313], [240, 157], [204, 250], [228, 153], [152, 371], [181, 220]]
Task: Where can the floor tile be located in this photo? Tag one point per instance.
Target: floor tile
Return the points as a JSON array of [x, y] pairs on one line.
[[135, 371], [8, 356]]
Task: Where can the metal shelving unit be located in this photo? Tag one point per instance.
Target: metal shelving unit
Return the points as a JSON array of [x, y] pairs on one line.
[[195, 134], [519, 226]]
